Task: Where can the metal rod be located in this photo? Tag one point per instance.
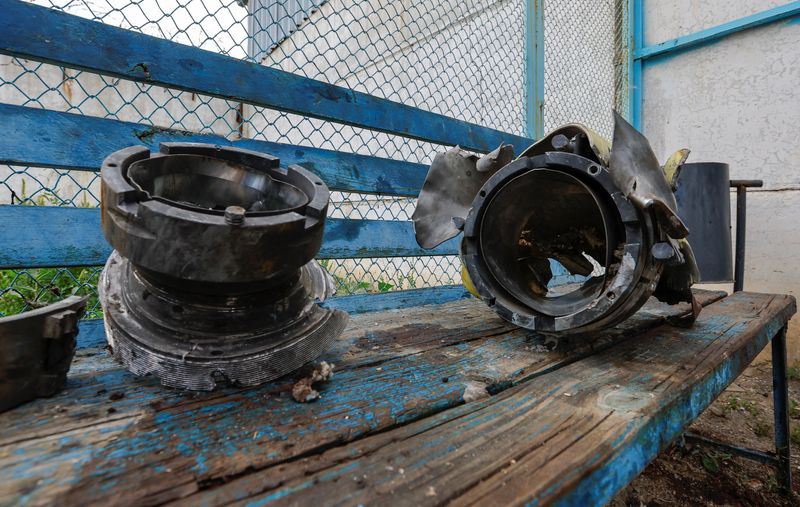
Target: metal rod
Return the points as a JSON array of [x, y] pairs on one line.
[[741, 187], [780, 398], [741, 224], [753, 454]]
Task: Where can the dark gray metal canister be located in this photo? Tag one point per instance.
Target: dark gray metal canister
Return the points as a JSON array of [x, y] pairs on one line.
[[703, 195]]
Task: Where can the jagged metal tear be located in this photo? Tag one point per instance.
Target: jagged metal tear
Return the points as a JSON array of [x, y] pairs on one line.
[[453, 180], [635, 170]]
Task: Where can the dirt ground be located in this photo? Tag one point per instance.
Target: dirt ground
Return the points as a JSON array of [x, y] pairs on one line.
[[697, 474]]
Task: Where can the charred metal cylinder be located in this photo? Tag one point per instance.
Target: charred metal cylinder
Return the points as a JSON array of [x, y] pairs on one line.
[[559, 212], [571, 237], [212, 279]]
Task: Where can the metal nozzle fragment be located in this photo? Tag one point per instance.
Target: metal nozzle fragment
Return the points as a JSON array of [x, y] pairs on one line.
[[571, 237], [36, 350], [213, 278]]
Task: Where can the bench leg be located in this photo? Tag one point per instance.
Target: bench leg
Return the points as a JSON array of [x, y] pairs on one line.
[[780, 398]]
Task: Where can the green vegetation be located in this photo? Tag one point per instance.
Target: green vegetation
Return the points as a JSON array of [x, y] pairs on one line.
[[713, 460], [795, 435], [761, 429], [34, 288], [349, 284], [794, 372], [734, 403]]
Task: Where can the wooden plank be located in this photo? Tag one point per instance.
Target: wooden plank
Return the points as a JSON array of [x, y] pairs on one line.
[[92, 333], [42, 138], [40, 236], [157, 444], [63, 39], [573, 437]]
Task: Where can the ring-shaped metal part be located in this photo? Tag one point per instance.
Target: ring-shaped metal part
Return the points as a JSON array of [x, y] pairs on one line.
[[628, 287], [213, 278]]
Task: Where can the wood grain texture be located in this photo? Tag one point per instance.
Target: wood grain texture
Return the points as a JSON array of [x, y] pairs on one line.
[[56, 37], [572, 437], [149, 444], [33, 236], [43, 138]]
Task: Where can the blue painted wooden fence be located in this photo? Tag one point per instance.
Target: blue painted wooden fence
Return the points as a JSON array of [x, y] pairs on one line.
[[59, 236], [60, 38]]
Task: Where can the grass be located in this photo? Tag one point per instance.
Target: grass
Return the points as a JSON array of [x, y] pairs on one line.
[[761, 429], [794, 409], [349, 284], [795, 435], [734, 403], [34, 288], [794, 372], [712, 461]]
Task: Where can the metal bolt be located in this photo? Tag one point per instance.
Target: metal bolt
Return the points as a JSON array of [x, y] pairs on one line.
[[234, 215], [560, 142]]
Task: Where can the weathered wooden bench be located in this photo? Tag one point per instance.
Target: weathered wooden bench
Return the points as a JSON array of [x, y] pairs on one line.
[[434, 400]]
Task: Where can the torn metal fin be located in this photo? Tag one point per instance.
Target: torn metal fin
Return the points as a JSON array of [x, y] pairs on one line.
[[672, 167], [452, 182], [635, 170], [495, 159]]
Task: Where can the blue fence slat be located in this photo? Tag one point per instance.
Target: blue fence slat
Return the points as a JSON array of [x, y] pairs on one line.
[[60, 38], [42, 138], [42, 236]]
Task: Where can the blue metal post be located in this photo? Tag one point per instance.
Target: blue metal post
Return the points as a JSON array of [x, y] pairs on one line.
[[714, 33], [534, 68], [780, 397], [635, 41]]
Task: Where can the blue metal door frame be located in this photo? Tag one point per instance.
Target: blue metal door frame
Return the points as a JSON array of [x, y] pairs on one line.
[[640, 54]]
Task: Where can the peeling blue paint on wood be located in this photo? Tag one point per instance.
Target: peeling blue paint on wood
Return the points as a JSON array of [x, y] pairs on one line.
[[43, 138], [64, 39], [36, 236], [397, 300], [81, 452]]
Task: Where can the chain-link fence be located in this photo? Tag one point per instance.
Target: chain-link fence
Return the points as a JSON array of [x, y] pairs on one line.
[[464, 59]]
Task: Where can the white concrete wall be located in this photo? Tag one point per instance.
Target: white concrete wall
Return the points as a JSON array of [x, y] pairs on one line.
[[462, 59], [736, 101]]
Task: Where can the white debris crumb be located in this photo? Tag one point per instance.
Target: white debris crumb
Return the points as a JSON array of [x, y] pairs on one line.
[[431, 491], [474, 390], [567, 395], [303, 391]]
